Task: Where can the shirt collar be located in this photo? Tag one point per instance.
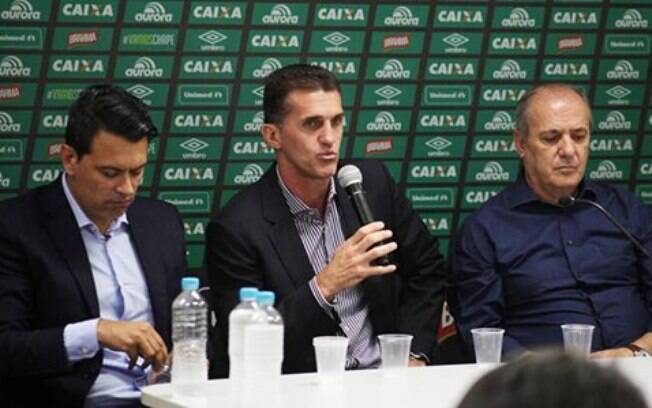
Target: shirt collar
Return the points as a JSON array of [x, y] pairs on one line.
[[521, 193], [296, 205], [80, 216]]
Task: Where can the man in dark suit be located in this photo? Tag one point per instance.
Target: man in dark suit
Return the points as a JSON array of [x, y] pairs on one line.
[[88, 271], [288, 233]]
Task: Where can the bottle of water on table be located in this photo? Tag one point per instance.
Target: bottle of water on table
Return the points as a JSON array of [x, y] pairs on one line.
[[241, 316]]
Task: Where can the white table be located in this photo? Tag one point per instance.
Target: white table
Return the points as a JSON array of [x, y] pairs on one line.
[[437, 386]]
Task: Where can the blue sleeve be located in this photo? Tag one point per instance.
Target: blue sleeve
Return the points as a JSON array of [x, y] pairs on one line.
[[80, 340], [477, 298]]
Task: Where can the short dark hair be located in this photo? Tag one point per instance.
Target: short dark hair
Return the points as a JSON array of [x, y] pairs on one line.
[[280, 83], [110, 108], [524, 103], [553, 380]]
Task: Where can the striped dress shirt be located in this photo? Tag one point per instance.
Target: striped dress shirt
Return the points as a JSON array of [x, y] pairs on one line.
[[320, 238]]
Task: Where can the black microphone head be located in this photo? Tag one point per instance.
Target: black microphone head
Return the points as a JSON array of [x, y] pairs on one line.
[[349, 175], [566, 201]]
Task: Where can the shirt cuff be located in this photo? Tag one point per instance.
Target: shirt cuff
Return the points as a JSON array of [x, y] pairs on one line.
[[319, 297], [80, 340]]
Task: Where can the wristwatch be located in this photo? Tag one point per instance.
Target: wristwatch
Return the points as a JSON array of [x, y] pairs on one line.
[[638, 351]]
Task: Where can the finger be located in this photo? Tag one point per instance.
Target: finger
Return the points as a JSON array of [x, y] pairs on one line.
[[378, 251], [366, 230], [380, 270], [133, 357], [373, 238]]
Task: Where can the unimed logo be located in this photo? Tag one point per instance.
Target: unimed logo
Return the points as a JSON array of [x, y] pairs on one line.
[[20, 10], [606, 170], [518, 18], [623, 70], [615, 120], [384, 122], [393, 69], [493, 171], [12, 66], [7, 124], [632, 19], [501, 121], [154, 12], [144, 67]]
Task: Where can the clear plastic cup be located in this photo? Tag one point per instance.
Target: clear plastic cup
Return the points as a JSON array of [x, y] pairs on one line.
[[578, 338], [330, 353], [394, 350], [488, 344]]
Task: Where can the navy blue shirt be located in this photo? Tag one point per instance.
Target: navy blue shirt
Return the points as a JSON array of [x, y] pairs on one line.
[[528, 267]]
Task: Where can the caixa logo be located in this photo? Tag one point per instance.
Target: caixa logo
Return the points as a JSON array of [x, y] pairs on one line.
[[208, 66], [7, 124], [154, 12], [12, 66], [341, 14], [217, 12], [81, 65], [250, 174], [20, 10], [384, 122], [393, 69], [199, 121], [87, 10], [144, 67], [55, 121]]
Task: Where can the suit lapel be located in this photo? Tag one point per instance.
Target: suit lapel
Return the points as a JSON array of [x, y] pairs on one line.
[[283, 234], [147, 248], [62, 228]]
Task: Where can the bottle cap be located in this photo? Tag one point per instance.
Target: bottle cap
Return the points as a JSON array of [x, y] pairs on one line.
[[189, 283], [265, 297], [248, 293]]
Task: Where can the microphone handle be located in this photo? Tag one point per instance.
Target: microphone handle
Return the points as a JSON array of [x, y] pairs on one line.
[[616, 223], [365, 216]]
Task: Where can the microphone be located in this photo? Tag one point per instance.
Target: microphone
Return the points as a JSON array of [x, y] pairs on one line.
[[571, 201], [350, 178]]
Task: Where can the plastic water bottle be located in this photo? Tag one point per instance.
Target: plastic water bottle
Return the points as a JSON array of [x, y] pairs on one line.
[[273, 333], [241, 316], [189, 321]]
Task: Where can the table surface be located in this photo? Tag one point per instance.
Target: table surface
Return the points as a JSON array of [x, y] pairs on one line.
[[441, 386]]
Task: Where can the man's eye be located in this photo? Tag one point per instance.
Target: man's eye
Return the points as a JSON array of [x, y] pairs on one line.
[[109, 173]]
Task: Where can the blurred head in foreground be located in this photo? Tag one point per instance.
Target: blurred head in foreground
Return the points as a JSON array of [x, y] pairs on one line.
[[553, 380]]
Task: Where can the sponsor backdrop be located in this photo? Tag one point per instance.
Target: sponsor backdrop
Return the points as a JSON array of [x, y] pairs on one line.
[[429, 88]]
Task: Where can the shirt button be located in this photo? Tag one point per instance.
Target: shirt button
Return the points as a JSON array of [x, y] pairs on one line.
[[570, 242], [84, 350]]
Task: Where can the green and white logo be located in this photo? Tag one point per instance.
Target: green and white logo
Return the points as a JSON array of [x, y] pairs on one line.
[[623, 69], [212, 40], [432, 197], [493, 146], [270, 41], [40, 174], [474, 197], [439, 224], [18, 38], [509, 69], [280, 14], [443, 121], [567, 70], [462, 69], [460, 17], [194, 148], [575, 18], [152, 67], [570, 44], [195, 229], [153, 12], [9, 176], [250, 147], [20, 66], [392, 68], [439, 172], [11, 149], [401, 16], [618, 95], [608, 169], [514, 43], [151, 94], [438, 146], [148, 39], [627, 44], [337, 41], [208, 67], [25, 10], [248, 121], [57, 94], [69, 66], [189, 201], [495, 95], [645, 193], [53, 121], [341, 15], [207, 12], [645, 170], [456, 43], [388, 95], [383, 121], [197, 174], [447, 95], [242, 174], [15, 122], [260, 67], [616, 120], [212, 95], [88, 11], [629, 19], [212, 121], [251, 95], [518, 17], [495, 121], [492, 171], [343, 68], [611, 145]]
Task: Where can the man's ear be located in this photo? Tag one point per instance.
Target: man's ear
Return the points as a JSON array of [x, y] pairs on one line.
[[271, 135], [69, 159], [519, 143]]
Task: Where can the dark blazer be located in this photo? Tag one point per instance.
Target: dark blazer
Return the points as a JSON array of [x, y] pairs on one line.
[[46, 282], [254, 242]]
